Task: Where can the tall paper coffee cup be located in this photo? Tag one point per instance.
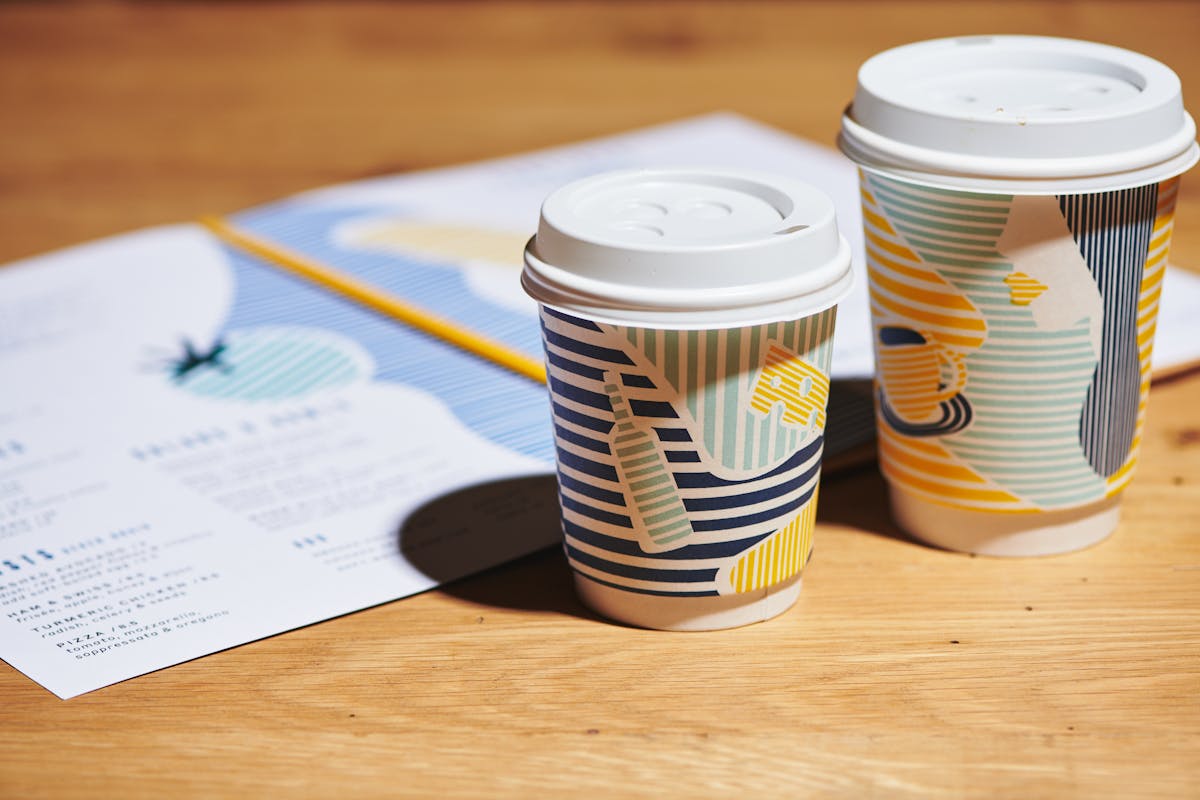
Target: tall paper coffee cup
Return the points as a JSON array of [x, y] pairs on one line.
[[1018, 196], [688, 319]]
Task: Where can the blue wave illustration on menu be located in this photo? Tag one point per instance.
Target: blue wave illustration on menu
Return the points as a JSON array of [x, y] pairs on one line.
[[497, 404]]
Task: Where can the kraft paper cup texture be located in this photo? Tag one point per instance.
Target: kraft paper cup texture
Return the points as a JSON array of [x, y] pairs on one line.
[[1013, 336], [688, 464]]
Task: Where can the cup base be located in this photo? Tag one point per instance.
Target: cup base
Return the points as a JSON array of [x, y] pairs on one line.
[[1038, 534], [688, 613]]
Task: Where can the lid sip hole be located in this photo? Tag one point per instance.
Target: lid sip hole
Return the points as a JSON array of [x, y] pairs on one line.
[[638, 228], [642, 210], [707, 209]]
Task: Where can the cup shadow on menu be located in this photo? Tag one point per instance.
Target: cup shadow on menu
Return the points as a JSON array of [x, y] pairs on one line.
[[455, 537]]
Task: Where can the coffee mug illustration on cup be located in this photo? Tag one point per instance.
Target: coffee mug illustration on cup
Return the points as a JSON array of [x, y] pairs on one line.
[[921, 383]]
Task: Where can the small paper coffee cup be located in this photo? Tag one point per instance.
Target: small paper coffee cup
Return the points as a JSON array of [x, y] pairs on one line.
[[688, 321]]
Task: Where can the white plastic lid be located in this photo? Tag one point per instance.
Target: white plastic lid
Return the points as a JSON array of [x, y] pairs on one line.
[[687, 249], [1025, 114]]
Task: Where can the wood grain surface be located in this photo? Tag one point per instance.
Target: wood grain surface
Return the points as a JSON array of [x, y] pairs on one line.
[[903, 672]]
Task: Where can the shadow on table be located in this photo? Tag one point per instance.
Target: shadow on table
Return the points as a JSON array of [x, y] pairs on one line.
[[514, 523], [853, 493], [458, 538], [858, 498]]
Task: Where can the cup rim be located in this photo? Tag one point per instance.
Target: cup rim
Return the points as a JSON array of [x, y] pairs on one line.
[[773, 254], [681, 309], [1143, 135]]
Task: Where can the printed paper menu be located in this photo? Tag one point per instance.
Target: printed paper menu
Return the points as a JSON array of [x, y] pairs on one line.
[[180, 473]]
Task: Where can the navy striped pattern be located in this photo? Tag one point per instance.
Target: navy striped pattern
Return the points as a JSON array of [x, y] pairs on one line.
[[1113, 232], [606, 505]]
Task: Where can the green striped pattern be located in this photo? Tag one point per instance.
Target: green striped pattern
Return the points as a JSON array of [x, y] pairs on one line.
[[658, 510], [275, 364], [716, 371]]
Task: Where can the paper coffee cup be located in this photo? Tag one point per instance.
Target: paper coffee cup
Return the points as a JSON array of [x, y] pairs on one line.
[[1018, 196], [688, 322]]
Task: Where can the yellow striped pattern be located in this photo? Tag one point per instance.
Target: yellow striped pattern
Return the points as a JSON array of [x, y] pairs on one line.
[[906, 291], [926, 469], [778, 557], [1151, 291], [911, 374], [902, 286], [1023, 289], [801, 388]]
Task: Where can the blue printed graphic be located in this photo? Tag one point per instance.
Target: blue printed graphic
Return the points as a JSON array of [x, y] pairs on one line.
[[504, 407]]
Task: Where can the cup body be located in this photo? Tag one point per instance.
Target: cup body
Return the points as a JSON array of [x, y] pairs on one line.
[[688, 464], [1013, 335]]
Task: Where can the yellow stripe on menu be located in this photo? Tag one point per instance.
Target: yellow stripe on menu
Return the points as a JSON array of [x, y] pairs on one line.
[[371, 297]]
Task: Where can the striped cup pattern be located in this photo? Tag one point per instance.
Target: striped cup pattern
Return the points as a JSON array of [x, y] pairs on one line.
[[688, 461], [1048, 305]]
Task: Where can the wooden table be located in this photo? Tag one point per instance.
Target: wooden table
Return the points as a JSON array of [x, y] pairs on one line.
[[903, 672]]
